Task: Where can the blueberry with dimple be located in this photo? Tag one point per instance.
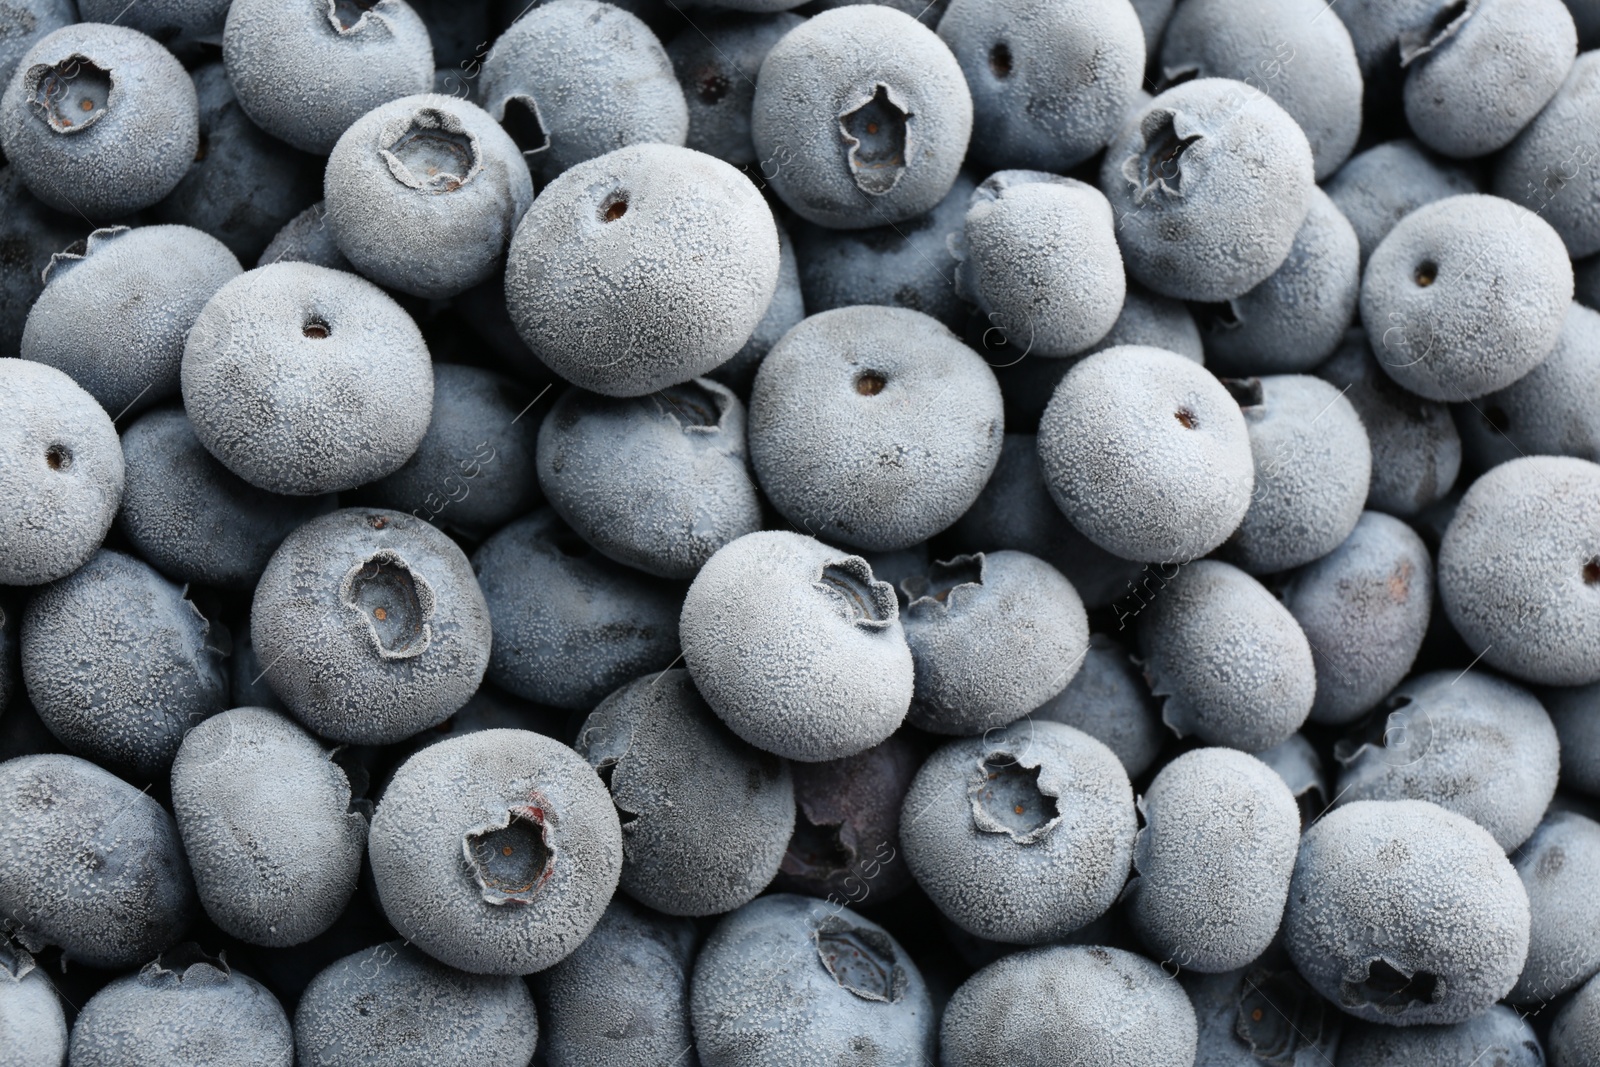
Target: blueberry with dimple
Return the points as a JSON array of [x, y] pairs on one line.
[[1500, 1036], [1574, 1039], [1260, 1014], [1545, 168], [1576, 715], [1560, 866], [1109, 700], [784, 312], [306, 238], [33, 1028], [32, 234], [1379, 187], [717, 60]]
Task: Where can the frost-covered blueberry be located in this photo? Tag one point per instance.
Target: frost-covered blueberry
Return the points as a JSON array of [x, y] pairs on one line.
[[304, 70], [1147, 454], [570, 625], [279, 348], [306, 238], [1022, 835], [61, 473], [643, 268], [1379, 187], [33, 1028], [100, 120], [496, 852], [1543, 170], [120, 663], [717, 60], [1259, 1014], [26, 22], [182, 1005], [1576, 715], [1575, 1034], [861, 118], [1519, 569], [658, 482], [1559, 867], [172, 22], [1403, 913], [1500, 1036], [390, 1005], [1209, 183], [31, 234], [1069, 1004], [1109, 700], [370, 626], [783, 314], [791, 980], [268, 825], [1364, 608], [705, 817], [797, 647], [89, 863], [874, 426]]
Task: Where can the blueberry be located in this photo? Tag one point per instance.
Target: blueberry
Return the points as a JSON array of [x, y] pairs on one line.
[[1153, 18], [1259, 1014], [172, 22], [1403, 913], [783, 314], [791, 980], [1541, 170], [31, 234], [182, 1005], [495, 852], [33, 1027], [717, 60], [26, 22], [1378, 27], [248, 686], [861, 118], [306, 238], [1109, 700], [797, 647], [89, 863], [1499, 1036], [1379, 187], [1575, 1034], [1559, 867], [1576, 715], [927, 12]]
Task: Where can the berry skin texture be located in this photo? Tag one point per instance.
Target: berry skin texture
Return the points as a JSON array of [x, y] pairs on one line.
[[797, 647], [266, 819], [33, 1028], [1576, 715], [783, 314], [170, 21], [100, 120], [1022, 835], [788, 981], [277, 349], [707, 817], [1499, 1036], [495, 852], [1379, 187], [371, 626], [32, 234], [1069, 1004], [642, 268], [1575, 1034], [31, 20], [1147, 454], [873, 426], [1519, 569], [1260, 1013], [89, 863], [61, 473], [1403, 913], [1543, 169], [1109, 700], [1559, 867], [717, 60], [306, 238], [861, 118]]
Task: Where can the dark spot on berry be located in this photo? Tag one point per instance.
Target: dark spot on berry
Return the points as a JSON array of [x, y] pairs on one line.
[[944, 576], [58, 457], [1591, 572], [1496, 417], [1426, 274], [316, 329], [1185, 418], [614, 208], [711, 85], [1000, 60], [870, 383]]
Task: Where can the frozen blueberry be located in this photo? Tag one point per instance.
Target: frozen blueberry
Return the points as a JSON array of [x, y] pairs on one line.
[[89, 863], [172, 22], [1364, 608], [1379, 187], [1261, 1014], [861, 118], [26, 22], [783, 314], [31, 235], [1403, 913], [1519, 569], [1575, 1034], [1546, 169], [248, 686], [1559, 867], [1051, 82], [927, 12], [304, 70], [1499, 1036], [1147, 454], [797, 647], [1109, 700], [116, 315], [1069, 1004], [874, 426], [717, 60], [1377, 28], [179, 1008], [391, 1006], [77, 148], [496, 852], [1209, 183], [280, 348], [658, 482], [1576, 715], [642, 268], [61, 473], [1022, 835], [791, 980], [33, 1028], [306, 238], [570, 625]]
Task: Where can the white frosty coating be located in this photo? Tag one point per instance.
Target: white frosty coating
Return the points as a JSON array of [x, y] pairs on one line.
[[266, 821], [796, 647], [131, 152], [89, 863], [1574, 1039], [1232, 663], [449, 793], [1500, 1036], [1473, 84], [172, 21], [783, 314], [643, 268], [61, 473], [306, 380], [115, 317], [1147, 454], [304, 78], [717, 60], [764, 994], [390, 1004], [1466, 295], [1040, 885], [27, 22], [1403, 913], [1050, 82], [306, 238], [1364, 609], [1519, 569], [1209, 184], [1379, 187], [1576, 715], [1541, 171], [825, 70], [708, 818], [1064, 1005], [33, 1028], [1376, 27], [1560, 867], [1110, 701]]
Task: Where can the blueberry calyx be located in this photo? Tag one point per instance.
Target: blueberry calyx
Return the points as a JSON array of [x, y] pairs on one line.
[[1391, 989], [1445, 24], [877, 131], [395, 601], [1158, 169], [514, 858], [186, 964], [1008, 798], [862, 599], [519, 117], [80, 250], [861, 960], [349, 16], [931, 593], [432, 152], [72, 94], [1278, 1016]]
